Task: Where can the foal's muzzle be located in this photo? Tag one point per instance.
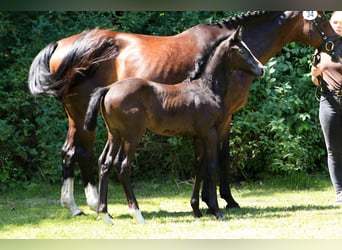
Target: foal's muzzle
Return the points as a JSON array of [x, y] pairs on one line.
[[261, 72]]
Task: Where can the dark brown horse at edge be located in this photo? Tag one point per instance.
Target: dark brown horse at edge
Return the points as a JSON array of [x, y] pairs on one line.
[[192, 108], [73, 67]]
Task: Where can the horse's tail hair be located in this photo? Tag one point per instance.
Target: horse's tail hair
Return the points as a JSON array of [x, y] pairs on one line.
[[81, 60], [90, 119], [39, 77]]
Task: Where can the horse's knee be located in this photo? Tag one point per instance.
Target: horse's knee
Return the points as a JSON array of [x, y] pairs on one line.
[[83, 156], [124, 170], [72, 153], [105, 168], [68, 155]]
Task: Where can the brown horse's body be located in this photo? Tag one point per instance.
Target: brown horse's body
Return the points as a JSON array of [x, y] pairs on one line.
[[161, 59], [193, 108]]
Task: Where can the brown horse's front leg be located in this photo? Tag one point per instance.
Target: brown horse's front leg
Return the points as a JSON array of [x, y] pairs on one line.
[[78, 149], [224, 172], [70, 152]]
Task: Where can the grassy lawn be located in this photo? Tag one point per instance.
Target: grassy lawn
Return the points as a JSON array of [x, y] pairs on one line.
[[289, 208]]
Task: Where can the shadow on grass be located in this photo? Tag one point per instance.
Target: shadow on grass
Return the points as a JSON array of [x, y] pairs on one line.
[[236, 213], [274, 211], [183, 216]]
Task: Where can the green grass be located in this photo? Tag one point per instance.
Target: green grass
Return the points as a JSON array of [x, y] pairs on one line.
[[286, 208]]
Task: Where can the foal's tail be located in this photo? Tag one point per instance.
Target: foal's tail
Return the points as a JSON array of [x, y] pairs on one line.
[[93, 108]]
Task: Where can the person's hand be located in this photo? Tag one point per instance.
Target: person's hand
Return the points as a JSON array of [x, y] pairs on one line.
[[315, 72]]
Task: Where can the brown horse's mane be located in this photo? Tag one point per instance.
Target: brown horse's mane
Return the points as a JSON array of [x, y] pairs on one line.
[[239, 19], [230, 23]]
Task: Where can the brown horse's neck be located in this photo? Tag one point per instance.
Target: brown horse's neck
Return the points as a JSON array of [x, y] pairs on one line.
[[268, 38], [266, 33]]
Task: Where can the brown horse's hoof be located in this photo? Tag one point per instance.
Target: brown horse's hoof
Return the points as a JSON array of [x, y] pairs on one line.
[[198, 214], [220, 217], [79, 213], [210, 211], [231, 205]]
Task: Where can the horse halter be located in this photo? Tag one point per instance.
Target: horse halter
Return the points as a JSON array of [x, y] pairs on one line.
[[328, 44]]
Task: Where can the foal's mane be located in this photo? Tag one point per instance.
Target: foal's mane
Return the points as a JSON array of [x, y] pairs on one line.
[[204, 57]]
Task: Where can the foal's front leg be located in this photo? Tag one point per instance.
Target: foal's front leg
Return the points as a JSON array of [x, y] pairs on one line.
[[210, 148], [199, 171]]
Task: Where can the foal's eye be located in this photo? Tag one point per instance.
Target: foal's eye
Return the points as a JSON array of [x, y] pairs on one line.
[[241, 51]]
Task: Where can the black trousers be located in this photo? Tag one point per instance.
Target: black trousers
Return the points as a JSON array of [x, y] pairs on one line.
[[330, 116]]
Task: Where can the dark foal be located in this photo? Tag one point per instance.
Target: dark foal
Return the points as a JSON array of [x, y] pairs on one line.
[[192, 108]]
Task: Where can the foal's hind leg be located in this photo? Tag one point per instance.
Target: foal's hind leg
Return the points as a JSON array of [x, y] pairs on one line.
[[124, 175], [106, 165]]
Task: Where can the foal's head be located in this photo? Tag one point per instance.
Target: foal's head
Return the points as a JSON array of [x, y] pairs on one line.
[[239, 56]]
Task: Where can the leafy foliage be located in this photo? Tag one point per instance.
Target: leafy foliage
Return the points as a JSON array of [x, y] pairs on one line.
[[277, 132]]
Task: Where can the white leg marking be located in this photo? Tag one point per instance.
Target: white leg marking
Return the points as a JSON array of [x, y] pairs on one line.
[[106, 218], [92, 196], [67, 197], [136, 214]]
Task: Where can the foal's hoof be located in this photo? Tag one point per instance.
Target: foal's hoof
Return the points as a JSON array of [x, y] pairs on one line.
[[107, 218], [136, 214]]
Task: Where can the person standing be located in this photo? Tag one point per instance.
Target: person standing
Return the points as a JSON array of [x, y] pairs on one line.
[[328, 75]]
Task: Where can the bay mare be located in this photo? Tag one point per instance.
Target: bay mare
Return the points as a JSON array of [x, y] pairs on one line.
[[71, 68], [192, 108]]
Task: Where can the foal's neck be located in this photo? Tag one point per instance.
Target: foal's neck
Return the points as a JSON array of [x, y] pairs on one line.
[[216, 73]]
